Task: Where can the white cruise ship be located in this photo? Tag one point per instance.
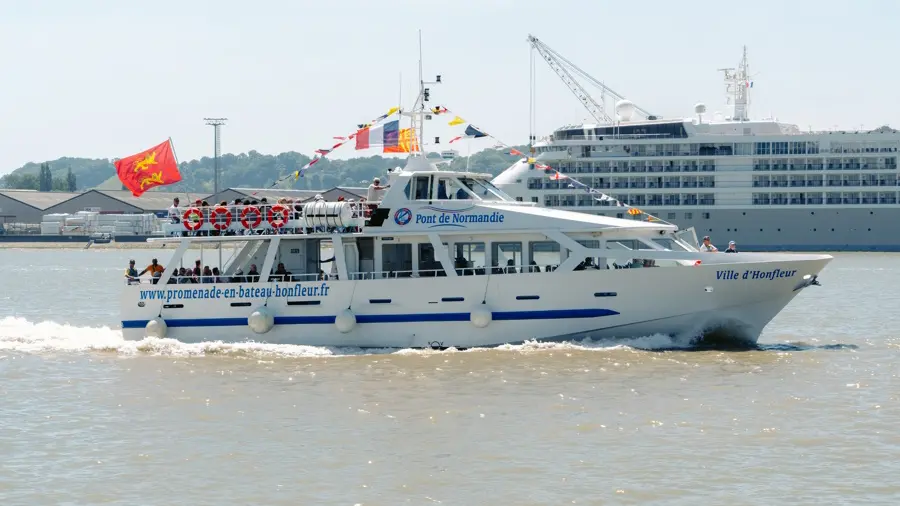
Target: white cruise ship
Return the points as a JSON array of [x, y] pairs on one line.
[[765, 184]]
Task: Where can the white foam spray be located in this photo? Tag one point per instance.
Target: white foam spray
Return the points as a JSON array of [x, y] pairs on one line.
[[20, 335]]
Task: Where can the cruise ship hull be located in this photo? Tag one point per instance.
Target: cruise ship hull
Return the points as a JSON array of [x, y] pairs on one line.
[[813, 229], [738, 299]]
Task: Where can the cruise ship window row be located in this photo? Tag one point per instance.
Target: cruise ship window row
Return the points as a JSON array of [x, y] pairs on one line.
[[828, 198], [690, 182], [614, 167], [888, 163], [652, 199], [710, 199], [827, 180], [680, 166], [710, 149]]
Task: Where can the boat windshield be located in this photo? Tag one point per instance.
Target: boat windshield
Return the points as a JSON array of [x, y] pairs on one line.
[[484, 190]]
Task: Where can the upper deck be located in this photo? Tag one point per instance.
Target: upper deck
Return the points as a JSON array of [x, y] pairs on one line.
[[416, 200]]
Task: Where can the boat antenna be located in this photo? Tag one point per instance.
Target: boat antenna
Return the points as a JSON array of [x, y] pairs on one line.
[[420, 110]]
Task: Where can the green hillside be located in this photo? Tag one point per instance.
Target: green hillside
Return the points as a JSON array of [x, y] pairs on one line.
[[249, 170]]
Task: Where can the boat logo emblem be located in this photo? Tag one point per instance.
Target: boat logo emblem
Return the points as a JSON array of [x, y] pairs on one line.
[[402, 216]]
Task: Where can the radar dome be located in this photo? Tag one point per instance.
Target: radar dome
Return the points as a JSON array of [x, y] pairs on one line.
[[625, 110], [700, 108]]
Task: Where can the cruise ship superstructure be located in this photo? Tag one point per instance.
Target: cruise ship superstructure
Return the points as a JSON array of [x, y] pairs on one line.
[[765, 184]]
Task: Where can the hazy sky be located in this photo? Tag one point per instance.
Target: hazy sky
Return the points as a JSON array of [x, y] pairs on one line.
[[107, 78]]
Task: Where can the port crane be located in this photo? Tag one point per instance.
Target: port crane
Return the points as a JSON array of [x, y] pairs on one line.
[[565, 68]]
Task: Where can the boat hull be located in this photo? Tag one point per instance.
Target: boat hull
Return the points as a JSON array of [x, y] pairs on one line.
[[736, 300]]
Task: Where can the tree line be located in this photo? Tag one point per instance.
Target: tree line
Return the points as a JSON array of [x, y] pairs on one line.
[[243, 170], [43, 180]]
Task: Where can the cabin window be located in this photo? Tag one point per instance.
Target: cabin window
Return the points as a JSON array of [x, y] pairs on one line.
[[506, 257], [545, 254], [323, 256], [484, 190], [468, 258], [422, 185], [628, 243], [592, 261], [366, 247], [295, 257], [669, 244], [429, 265], [396, 260], [444, 189]]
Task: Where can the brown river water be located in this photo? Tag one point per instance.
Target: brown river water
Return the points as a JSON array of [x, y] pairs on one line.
[[809, 417]]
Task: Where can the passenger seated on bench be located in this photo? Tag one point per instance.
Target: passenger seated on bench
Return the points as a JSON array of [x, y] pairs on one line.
[[511, 267], [252, 274], [280, 274]]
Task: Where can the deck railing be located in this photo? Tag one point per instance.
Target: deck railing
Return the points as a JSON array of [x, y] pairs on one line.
[[267, 218]]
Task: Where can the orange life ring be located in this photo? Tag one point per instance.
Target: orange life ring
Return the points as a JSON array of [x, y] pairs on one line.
[[274, 213], [214, 218], [188, 220], [257, 217]]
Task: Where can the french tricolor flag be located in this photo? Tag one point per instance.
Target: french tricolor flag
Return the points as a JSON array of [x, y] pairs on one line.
[[380, 135]]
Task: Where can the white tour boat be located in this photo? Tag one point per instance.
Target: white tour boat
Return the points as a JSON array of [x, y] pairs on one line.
[[446, 259]]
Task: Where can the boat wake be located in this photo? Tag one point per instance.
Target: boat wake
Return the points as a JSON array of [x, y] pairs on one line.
[[23, 336]]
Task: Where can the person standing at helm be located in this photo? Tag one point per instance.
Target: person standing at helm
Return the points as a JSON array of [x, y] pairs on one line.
[[376, 191]]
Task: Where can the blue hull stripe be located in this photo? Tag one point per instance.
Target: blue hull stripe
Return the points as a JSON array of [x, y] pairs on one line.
[[555, 314]]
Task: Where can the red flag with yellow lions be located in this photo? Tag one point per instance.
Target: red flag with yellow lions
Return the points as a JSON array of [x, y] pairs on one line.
[[148, 169]]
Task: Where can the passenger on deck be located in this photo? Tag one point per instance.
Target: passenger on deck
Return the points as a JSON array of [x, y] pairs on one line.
[[252, 274], [376, 191], [731, 247], [534, 267], [708, 246], [197, 270], [174, 215], [442, 191], [207, 276], [238, 276], [280, 274], [184, 276], [510, 267], [155, 271], [460, 262], [217, 276], [131, 273]]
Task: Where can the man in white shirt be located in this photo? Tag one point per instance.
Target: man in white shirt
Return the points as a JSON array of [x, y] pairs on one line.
[[376, 191], [174, 215], [708, 246]]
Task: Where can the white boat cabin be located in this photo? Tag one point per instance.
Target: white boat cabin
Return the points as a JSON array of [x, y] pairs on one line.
[[428, 223]]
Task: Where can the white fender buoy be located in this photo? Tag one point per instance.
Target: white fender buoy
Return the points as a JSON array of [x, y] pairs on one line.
[[345, 321], [156, 328], [481, 316], [261, 321]]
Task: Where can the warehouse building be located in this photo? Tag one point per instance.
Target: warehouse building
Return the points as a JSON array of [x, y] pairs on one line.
[[28, 206], [118, 201]]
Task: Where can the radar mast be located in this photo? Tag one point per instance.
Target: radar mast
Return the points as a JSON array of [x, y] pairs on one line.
[[737, 89]]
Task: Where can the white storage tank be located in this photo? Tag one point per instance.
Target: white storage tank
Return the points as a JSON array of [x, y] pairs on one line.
[[320, 213]]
